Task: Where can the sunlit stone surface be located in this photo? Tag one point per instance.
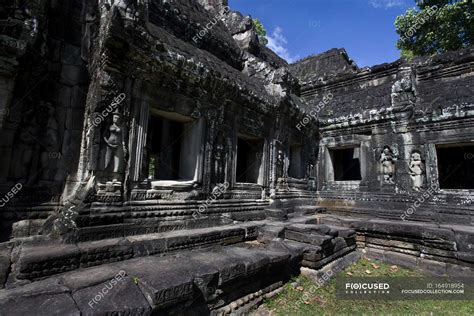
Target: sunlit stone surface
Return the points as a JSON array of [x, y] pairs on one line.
[[156, 158]]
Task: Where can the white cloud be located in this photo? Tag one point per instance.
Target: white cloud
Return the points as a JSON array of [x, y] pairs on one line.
[[277, 42], [387, 3]]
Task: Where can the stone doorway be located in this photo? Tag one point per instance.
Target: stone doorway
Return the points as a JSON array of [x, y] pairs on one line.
[[296, 165], [249, 160]]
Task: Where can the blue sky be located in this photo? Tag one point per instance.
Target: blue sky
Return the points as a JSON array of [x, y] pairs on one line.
[[298, 28]]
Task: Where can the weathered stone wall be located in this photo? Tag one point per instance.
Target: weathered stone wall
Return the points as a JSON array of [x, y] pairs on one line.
[[44, 84], [87, 84], [116, 65], [407, 107]]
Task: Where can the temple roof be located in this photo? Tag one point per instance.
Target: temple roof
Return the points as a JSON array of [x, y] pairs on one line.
[[330, 63]]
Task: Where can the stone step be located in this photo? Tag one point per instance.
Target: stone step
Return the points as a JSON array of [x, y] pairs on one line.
[[248, 216], [323, 241], [271, 231], [309, 209], [276, 214], [198, 280], [39, 261], [315, 257], [313, 229], [144, 217]]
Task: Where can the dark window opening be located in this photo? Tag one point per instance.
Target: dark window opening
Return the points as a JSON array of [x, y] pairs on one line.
[[456, 166], [172, 149], [164, 150], [346, 164], [249, 159], [295, 170]]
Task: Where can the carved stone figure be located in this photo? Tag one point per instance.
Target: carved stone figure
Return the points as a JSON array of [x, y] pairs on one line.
[[220, 156], [402, 92], [280, 164], [282, 170], [116, 150], [387, 159], [417, 170]]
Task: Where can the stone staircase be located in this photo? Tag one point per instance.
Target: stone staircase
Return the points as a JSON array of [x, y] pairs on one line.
[[213, 270]]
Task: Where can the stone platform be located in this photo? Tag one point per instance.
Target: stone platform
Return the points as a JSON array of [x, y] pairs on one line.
[[440, 249], [165, 274], [214, 270]]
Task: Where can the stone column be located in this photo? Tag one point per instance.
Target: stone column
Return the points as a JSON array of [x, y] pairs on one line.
[[137, 140]]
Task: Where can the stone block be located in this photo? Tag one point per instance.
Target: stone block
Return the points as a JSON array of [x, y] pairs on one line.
[[277, 214], [229, 268], [318, 240], [295, 249], [164, 282], [326, 259], [432, 267], [269, 232], [118, 295], [148, 245], [457, 270], [39, 261], [254, 261], [338, 243], [400, 259], [308, 228], [248, 216], [206, 278], [31, 298], [344, 232], [105, 251], [466, 256], [373, 253], [89, 277]]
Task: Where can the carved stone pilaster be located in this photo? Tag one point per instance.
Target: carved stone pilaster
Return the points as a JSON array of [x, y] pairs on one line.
[[138, 139]]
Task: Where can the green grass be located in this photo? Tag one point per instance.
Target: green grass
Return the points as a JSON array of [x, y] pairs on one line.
[[323, 301]]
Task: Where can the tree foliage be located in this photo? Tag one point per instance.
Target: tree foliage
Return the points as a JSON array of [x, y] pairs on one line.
[[436, 26], [261, 31]]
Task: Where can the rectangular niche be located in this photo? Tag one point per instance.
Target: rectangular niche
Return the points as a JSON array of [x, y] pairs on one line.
[[455, 166], [249, 159], [295, 170], [346, 164], [173, 147]]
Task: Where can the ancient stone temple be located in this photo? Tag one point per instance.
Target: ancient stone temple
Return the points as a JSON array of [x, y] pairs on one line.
[[155, 149]]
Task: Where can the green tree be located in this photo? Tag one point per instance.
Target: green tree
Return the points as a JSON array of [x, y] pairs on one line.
[[436, 26], [261, 31]]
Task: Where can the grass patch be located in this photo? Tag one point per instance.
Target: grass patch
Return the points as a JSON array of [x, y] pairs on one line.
[[323, 301]]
